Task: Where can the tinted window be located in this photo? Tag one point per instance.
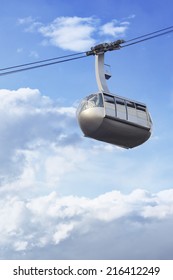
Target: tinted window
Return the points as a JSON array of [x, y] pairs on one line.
[[140, 107], [130, 104], [120, 102], [93, 100], [109, 98], [109, 105], [131, 112], [121, 108]]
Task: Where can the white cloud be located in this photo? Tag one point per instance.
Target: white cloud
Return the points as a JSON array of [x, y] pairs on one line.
[[20, 246], [75, 33], [62, 232], [114, 29], [30, 124], [12, 214], [38, 223], [70, 33]]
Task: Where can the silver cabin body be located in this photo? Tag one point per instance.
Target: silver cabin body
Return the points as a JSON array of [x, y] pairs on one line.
[[115, 120]]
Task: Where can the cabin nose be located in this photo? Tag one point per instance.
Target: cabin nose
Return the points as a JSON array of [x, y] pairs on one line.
[[90, 120]]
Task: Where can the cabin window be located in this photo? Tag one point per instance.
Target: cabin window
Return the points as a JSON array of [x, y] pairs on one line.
[[109, 98], [99, 100], [93, 100], [131, 112], [142, 115], [121, 109], [140, 107], [109, 105]]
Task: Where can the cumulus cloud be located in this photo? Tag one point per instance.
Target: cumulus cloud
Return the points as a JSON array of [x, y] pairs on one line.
[[52, 221], [114, 29], [70, 33], [76, 33], [30, 124]]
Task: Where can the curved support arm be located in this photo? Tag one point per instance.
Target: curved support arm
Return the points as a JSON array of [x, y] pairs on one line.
[[100, 73]]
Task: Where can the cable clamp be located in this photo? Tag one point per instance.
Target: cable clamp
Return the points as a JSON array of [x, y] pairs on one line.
[[102, 48]]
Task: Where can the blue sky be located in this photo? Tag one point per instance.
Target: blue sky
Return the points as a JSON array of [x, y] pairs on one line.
[[64, 196]]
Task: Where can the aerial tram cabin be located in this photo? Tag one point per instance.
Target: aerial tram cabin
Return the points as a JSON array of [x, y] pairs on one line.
[[110, 118]]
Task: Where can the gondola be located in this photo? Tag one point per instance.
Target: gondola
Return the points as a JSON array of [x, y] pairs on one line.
[[111, 118]]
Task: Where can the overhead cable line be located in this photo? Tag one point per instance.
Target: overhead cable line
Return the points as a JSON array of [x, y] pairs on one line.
[[40, 61], [118, 44], [39, 66], [151, 33], [145, 39], [105, 47]]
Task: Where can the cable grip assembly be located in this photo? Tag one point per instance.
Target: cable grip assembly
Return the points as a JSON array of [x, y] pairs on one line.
[[102, 48]]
